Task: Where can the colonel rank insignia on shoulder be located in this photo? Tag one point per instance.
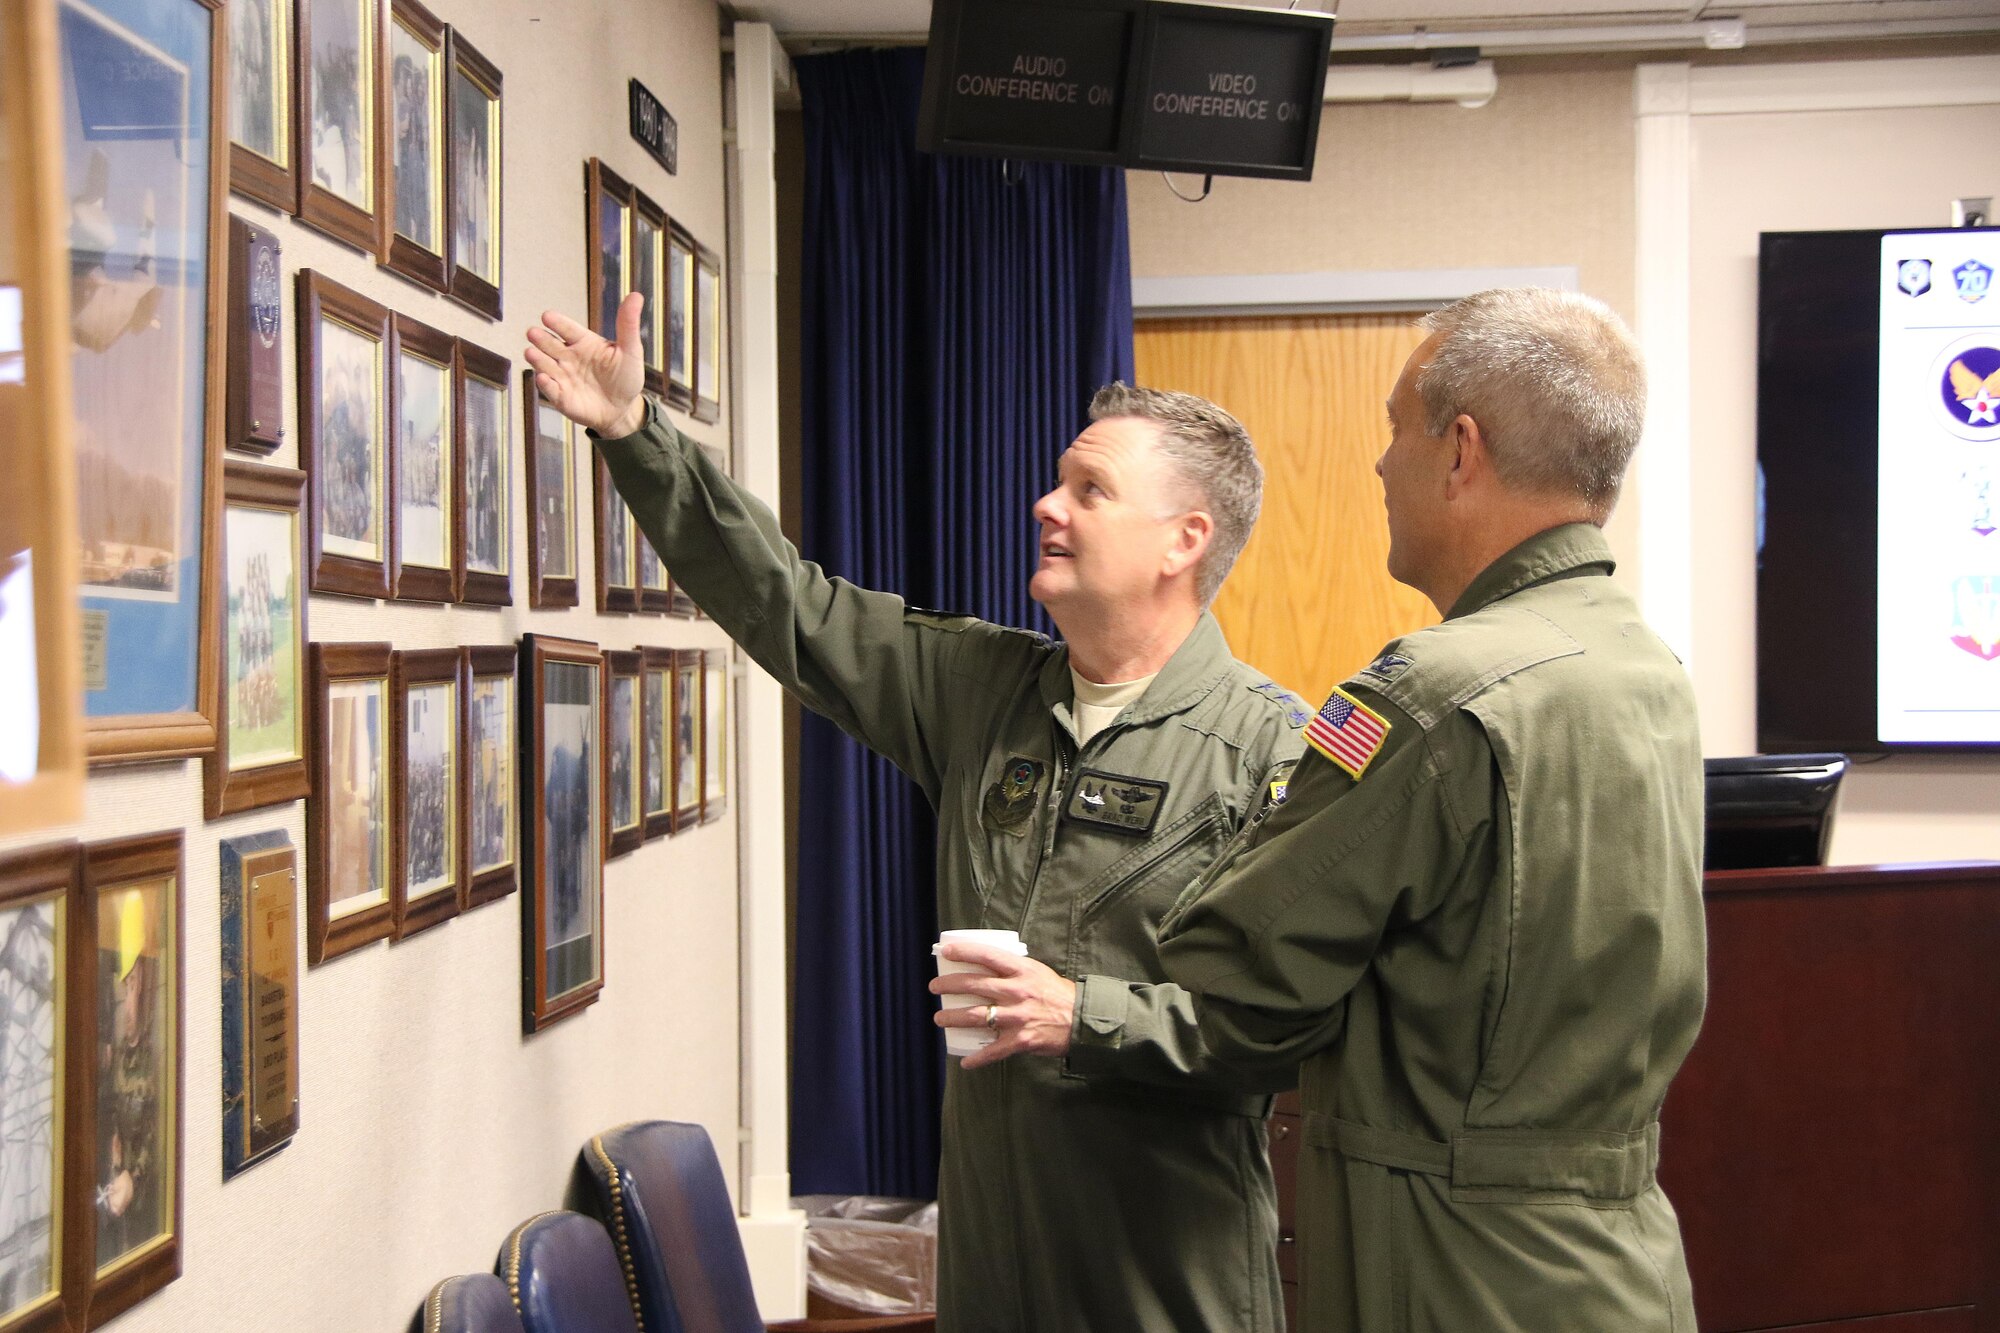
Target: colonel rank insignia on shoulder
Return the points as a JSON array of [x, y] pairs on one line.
[[1348, 732]]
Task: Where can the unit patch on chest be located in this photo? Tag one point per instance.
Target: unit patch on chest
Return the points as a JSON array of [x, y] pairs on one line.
[[1011, 800], [1129, 805]]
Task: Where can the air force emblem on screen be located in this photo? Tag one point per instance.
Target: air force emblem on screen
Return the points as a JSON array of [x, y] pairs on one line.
[[1974, 280], [1913, 276], [1968, 389]]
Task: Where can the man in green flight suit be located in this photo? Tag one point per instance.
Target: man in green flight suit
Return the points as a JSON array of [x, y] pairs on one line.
[[1477, 919], [1121, 1183]]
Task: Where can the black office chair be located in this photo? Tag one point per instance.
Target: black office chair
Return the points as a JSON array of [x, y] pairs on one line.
[[657, 1187], [563, 1276], [472, 1303]]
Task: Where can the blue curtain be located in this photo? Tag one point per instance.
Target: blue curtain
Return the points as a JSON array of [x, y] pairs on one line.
[[955, 326]]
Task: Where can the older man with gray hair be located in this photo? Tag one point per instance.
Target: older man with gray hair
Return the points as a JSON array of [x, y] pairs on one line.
[[1477, 919]]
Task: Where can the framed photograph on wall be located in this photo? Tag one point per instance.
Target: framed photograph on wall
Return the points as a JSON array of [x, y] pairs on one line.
[[656, 710], [260, 102], [617, 543], [430, 791], [714, 733], [424, 462], [340, 50], [679, 312], [607, 203], [472, 259], [147, 283], [656, 591], [343, 429], [491, 718], [124, 1237], [38, 896], [487, 553], [709, 344], [562, 927], [624, 720], [349, 814], [648, 250], [260, 998], [685, 740], [551, 475], [411, 158], [260, 751]]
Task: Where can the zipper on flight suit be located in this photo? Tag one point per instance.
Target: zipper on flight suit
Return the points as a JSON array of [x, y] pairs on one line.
[[1057, 790]]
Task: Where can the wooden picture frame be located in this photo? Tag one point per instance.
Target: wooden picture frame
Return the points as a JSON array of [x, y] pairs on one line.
[[425, 488], [338, 129], [344, 439], [624, 747], [428, 877], [684, 736], [655, 588], [260, 998], [617, 543], [551, 481], [607, 207], [647, 245], [715, 734], [39, 891], [473, 173], [679, 310], [255, 412], [44, 764], [656, 711], [126, 1122], [485, 534], [711, 349], [492, 788], [562, 913], [350, 814], [148, 279], [262, 47], [410, 150], [260, 755]]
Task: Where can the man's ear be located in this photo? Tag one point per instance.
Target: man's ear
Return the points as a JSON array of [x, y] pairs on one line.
[[1191, 538], [1470, 460]]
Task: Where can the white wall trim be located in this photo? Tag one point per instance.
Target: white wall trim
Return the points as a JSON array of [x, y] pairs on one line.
[[1336, 293], [1843, 85]]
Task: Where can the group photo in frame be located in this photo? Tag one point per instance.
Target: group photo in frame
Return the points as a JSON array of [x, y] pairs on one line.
[[147, 283], [412, 148], [678, 312], [655, 588], [551, 482], [685, 738], [647, 247], [607, 204], [473, 177], [350, 812], [708, 340], [261, 720], [344, 342], [624, 741], [484, 542], [339, 120], [430, 813], [492, 865], [562, 909], [617, 543], [656, 710], [428, 563], [261, 161]]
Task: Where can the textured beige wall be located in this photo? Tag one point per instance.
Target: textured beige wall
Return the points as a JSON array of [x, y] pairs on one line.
[[430, 1125]]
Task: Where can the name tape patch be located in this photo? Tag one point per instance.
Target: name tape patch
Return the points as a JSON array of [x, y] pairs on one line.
[[1114, 801]]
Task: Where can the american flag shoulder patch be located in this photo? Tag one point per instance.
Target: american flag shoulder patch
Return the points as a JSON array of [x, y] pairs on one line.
[[1348, 732]]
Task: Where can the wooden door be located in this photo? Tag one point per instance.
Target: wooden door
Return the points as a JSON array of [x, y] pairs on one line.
[[1311, 600]]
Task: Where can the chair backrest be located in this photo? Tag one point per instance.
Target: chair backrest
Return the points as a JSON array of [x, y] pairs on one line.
[[472, 1303], [658, 1188], [564, 1276]]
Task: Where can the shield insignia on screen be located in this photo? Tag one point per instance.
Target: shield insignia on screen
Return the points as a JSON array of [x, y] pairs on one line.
[[1974, 280], [1913, 277], [1975, 615], [1967, 386]]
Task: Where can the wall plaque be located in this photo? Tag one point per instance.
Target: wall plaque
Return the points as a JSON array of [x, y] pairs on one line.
[[654, 127], [260, 974]]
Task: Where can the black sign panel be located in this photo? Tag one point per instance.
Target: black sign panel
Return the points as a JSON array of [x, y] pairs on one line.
[[657, 131], [1040, 79], [1231, 91]]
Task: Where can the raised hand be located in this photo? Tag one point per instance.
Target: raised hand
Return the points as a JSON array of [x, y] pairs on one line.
[[592, 382]]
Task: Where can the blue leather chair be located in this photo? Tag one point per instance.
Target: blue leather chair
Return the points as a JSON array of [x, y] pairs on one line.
[[658, 1188], [474, 1303], [564, 1277]]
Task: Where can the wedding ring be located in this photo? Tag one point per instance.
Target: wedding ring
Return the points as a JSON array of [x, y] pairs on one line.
[[992, 1016]]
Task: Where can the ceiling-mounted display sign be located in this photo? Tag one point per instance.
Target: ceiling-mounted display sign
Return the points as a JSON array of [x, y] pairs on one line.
[[1140, 83]]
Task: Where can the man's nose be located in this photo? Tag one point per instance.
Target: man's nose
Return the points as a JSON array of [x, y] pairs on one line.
[[1046, 511]]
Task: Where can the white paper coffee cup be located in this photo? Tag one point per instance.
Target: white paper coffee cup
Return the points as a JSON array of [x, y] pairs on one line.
[[964, 1041]]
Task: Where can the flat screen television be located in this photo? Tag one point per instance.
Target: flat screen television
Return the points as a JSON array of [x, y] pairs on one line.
[[1878, 452]]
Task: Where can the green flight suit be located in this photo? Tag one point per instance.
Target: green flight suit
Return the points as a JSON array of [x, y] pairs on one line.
[[1488, 953], [1128, 1186]]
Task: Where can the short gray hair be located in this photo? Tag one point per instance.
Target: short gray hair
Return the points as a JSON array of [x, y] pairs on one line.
[[1554, 380], [1212, 454]]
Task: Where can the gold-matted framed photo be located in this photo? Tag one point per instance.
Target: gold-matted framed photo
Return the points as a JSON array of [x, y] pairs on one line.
[[339, 119], [607, 208], [714, 734], [491, 748], [679, 316], [655, 589], [472, 177], [344, 343], [428, 562], [617, 543], [429, 734], [551, 482], [562, 927], [261, 162], [410, 165], [656, 711], [148, 279], [350, 898], [685, 740], [260, 749], [624, 723], [42, 739], [710, 346], [648, 248], [123, 1236], [485, 541]]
